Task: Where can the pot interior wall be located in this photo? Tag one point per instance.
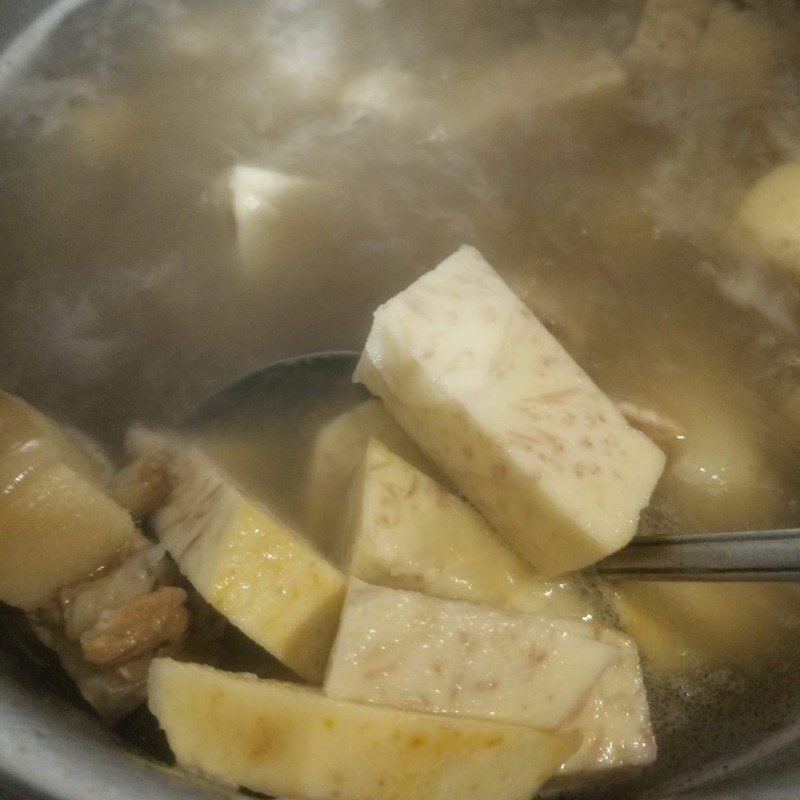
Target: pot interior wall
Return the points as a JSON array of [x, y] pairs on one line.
[[413, 130]]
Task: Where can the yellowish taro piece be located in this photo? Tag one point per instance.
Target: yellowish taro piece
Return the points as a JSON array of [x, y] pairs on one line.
[[251, 567], [57, 525], [29, 440], [430, 541], [55, 529], [404, 530], [519, 428], [719, 477], [614, 720], [280, 738], [338, 449], [257, 195], [421, 653], [768, 219]]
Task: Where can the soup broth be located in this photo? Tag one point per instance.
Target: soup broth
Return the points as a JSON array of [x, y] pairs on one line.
[[605, 200]]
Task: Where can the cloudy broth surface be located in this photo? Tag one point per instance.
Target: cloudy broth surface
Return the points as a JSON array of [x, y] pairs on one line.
[[604, 197]]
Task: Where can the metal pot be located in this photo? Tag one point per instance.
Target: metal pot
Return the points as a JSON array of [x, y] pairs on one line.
[[51, 747]]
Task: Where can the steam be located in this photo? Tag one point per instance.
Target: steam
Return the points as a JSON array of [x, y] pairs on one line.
[[123, 299], [156, 304]]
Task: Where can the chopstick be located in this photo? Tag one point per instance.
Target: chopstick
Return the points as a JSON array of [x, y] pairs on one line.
[[743, 556]]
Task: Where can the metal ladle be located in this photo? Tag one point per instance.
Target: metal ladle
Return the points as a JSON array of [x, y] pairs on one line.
[[283, 387]]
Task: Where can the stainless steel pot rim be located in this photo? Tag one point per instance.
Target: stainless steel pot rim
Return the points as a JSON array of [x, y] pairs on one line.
[[52, 751], [21, 49]]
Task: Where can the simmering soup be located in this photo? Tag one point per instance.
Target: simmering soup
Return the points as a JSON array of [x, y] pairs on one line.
[[191, 190]]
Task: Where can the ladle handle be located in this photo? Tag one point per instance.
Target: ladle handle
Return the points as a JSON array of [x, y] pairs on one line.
[[743, 556]]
